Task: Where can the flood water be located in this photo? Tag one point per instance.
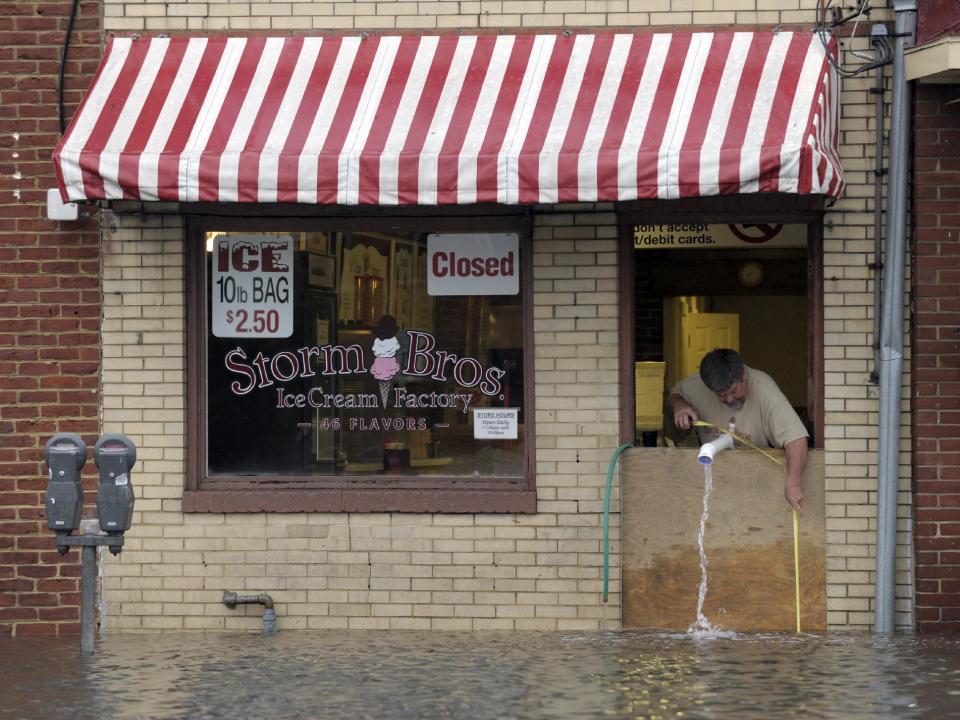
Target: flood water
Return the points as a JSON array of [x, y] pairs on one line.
[[394, 674]]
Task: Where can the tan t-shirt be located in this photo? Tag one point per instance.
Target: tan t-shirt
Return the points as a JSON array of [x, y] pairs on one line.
[[766, 419]]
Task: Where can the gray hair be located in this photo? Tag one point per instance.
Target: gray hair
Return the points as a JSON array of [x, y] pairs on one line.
[[720, 369]]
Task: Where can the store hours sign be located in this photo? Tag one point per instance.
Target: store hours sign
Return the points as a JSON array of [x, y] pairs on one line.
[[252, 286]]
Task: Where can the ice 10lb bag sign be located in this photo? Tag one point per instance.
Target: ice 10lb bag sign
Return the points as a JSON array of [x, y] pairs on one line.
[[252, 286]]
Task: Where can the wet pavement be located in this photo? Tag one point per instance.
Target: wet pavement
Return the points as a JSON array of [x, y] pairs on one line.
[[523, 675]]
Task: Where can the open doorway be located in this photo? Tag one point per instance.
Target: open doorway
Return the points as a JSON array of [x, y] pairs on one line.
[[691, 282], [691, 287]]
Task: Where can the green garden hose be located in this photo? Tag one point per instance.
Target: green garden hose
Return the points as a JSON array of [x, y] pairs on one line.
[[606, 518]]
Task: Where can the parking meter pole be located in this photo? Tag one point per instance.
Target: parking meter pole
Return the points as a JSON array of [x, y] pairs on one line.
[[88, 580], [88, 583]]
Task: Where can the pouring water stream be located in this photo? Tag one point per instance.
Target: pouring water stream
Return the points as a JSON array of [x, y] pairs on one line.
[[702, 625]]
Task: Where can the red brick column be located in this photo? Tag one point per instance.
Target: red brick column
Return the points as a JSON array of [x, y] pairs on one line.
[[936, 357], [49, 309]]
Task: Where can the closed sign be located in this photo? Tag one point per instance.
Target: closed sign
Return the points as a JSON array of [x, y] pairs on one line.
[[473, 264]]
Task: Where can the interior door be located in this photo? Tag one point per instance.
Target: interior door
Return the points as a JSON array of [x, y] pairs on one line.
[[703, 332]]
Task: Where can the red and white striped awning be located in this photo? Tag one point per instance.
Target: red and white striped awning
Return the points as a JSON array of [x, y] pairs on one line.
[[426, 120]]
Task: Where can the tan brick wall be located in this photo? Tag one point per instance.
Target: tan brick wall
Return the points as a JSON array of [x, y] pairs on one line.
[[540, 571], [851, 400], [124, 16], [380, 570]]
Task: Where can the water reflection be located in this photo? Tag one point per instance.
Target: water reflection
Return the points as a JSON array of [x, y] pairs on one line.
[[382, 675]]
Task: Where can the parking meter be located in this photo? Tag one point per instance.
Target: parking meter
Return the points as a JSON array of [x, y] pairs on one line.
[[66, 454], [115, 456]]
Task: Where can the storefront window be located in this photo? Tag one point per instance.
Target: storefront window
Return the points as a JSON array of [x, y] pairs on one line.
[[359, 358]]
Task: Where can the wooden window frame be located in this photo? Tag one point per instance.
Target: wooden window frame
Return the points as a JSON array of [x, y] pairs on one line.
[[383, 493]]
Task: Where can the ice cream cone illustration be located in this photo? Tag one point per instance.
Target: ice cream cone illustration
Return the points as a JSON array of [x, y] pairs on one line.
[[385, 386], [385, 346]]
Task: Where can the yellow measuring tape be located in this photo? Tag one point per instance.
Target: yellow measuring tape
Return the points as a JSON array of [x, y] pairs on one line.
[[796, 531]]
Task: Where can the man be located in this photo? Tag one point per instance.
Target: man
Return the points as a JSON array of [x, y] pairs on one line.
[[727, 391]]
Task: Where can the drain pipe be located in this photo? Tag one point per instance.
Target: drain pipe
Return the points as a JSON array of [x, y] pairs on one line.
[[231, 600], [879, 37], [891, 338]]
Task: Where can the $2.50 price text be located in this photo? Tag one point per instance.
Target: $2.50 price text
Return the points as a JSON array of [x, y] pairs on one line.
[[259, 321]]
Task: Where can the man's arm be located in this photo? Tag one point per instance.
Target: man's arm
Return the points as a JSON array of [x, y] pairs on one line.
[[683, 413], [796, 454]]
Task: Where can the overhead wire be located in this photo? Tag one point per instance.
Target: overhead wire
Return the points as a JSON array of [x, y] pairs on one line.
[[823, 27], [63, 64]]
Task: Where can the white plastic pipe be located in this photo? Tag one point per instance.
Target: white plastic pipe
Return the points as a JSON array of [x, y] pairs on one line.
[[708, 450]]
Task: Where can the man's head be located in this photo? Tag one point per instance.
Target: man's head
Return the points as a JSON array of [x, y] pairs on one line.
[[723, 373]]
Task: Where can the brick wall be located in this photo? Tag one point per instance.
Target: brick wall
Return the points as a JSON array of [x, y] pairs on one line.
[[369, 570], [49, 310], [851, 407], [936, 360], [189, 15], [937, 18], [168, 558]]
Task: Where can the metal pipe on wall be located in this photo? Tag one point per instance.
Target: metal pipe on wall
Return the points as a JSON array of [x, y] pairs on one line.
[[891, 338], [88, 599], [879, 37], [232, 599]]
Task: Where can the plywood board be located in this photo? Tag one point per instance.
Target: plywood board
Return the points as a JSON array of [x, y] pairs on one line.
[[748, 542]]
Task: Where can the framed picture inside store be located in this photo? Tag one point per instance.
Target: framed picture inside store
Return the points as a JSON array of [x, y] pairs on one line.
[[322, 271], [402, 258]]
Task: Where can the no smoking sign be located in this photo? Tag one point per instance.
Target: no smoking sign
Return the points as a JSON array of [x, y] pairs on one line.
[[756, 234]]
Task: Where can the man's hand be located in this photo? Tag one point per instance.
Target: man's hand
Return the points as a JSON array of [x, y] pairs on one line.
[[796, 457], [794, 495], [684, 416]]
